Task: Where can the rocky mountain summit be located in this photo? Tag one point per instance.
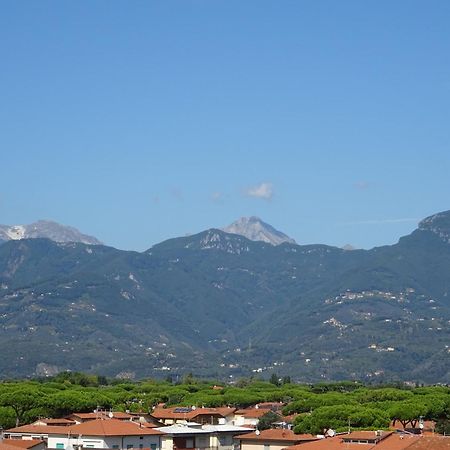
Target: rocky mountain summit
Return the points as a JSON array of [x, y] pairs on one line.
[[255, 229], [45, 229], [438, 224]]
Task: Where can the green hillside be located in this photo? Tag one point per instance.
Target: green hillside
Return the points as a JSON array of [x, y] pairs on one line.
[[217, 305]]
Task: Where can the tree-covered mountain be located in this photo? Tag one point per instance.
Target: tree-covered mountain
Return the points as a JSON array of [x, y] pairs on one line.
[[218, 304]]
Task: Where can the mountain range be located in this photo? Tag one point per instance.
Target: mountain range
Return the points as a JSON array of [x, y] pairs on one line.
[[218, 304], [45, 229]]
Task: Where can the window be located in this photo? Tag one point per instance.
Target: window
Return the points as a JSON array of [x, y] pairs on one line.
[[153, 446], [130, 446], [141, 445], [59, 445], [115, 446]]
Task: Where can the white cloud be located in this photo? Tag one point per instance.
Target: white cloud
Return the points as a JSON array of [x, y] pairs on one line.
[[262, 190], [217, 197], [362, 185]]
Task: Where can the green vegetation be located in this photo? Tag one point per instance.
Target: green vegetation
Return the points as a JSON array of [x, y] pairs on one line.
[[318, 407]]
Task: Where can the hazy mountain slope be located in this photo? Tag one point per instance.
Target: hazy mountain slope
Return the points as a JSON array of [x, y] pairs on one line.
[[219, 304]]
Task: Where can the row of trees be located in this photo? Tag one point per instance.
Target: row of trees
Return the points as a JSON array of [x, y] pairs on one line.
[[318, 407]]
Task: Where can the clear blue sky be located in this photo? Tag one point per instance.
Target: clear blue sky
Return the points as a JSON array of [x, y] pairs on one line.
[[137, 121]]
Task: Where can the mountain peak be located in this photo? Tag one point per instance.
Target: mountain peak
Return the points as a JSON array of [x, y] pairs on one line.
[[46, 229], [255, 229], [438, 224]]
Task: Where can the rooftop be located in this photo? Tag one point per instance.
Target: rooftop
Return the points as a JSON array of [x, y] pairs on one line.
[[277, 435]]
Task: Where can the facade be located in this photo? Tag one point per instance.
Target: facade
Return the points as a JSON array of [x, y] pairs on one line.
[[200, 437], [273, 439]]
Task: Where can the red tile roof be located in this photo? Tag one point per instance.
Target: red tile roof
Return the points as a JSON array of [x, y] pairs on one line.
[[366, 436], [56, 421], [170, 413], [97, 415], [22, 443], [276, 435], [39, 429], [7, 446], [112, 427], [98, 427], [391, 442], [431, 443], [253, 413]]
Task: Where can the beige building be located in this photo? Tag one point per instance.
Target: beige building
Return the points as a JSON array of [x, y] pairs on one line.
[[273, 439]]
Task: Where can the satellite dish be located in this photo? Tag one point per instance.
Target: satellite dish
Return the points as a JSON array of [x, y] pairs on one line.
[[142, 419], [257, 432], [110, 415], [331, 433]]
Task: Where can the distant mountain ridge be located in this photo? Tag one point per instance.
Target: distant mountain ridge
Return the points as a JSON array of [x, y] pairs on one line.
[[222, 306], [46, 229], [255, 229]]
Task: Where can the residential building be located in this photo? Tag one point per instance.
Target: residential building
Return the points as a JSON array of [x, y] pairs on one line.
[[99, 433], [211, 416], [273, 439]]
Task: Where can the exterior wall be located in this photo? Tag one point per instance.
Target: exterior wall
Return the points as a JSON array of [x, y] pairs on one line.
[[222, 441], [264, 445], [166, 443], [239, 421], [120, 443]]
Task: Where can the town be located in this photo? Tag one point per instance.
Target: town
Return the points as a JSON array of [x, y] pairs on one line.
[[324, 416]]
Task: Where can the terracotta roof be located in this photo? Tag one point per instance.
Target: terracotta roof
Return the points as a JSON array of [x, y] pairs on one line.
[[212, 411], [431, 443], [23, 443], [96, 415], [56, 421], [366, 435], [7, 446], [111, 427], [276, 435], [98, 427], [40, 429], [171, 413], [254, 413], [391, 442]]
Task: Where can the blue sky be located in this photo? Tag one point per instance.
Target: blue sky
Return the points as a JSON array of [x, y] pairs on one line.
[[137, 121]]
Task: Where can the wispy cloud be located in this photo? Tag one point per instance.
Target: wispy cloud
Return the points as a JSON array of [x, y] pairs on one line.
[[362, 185], [216, 197], [262, 190], [382, 221]]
